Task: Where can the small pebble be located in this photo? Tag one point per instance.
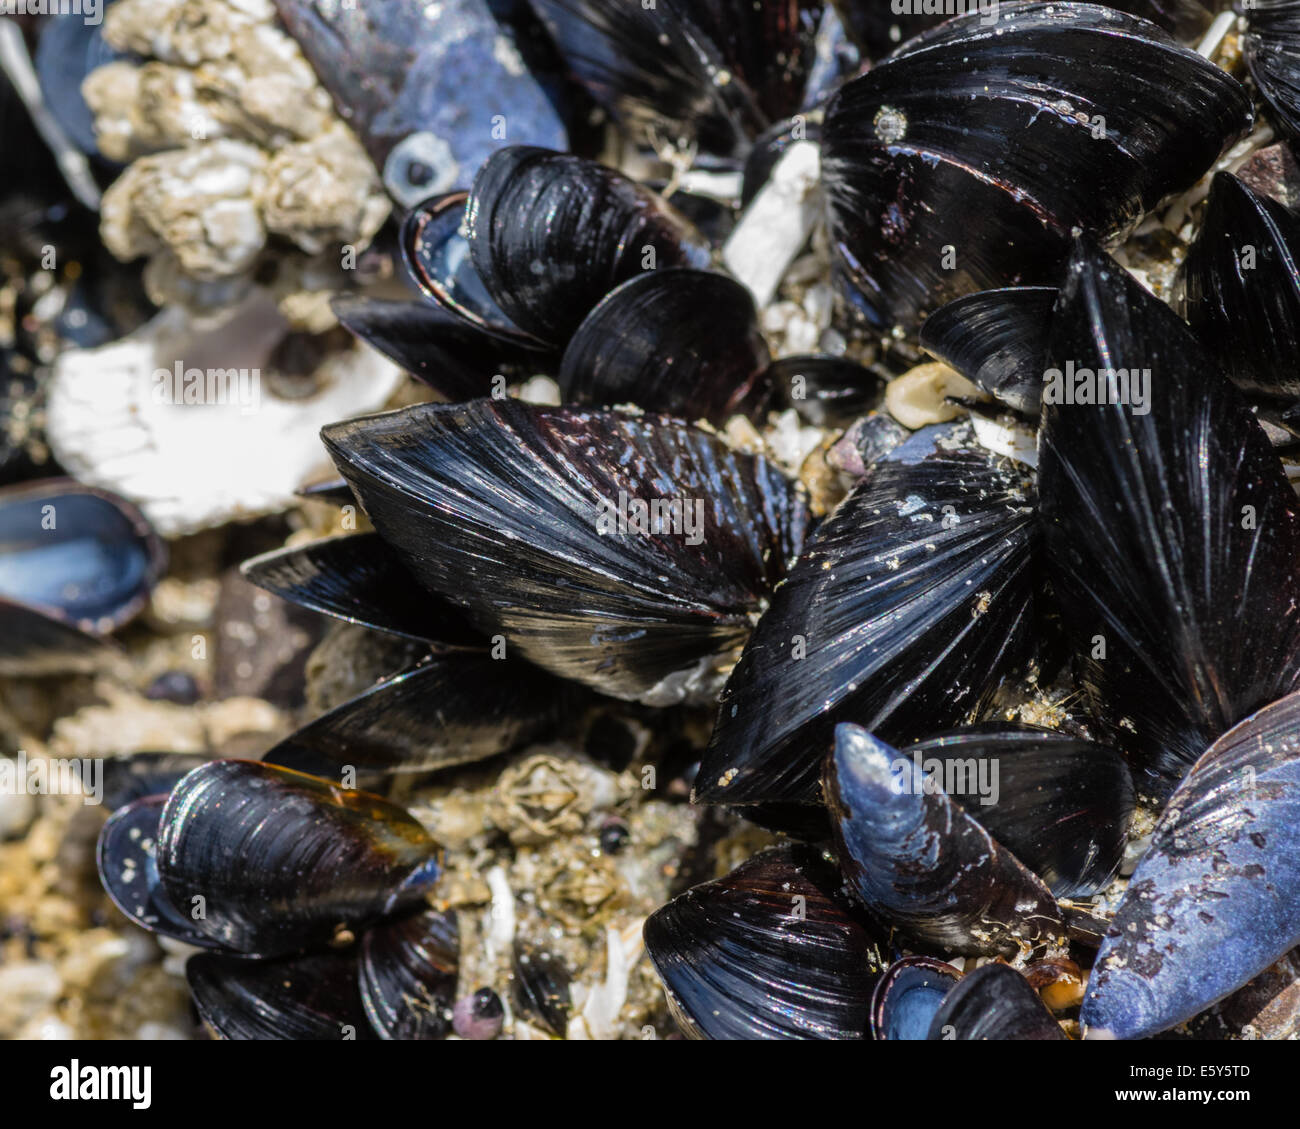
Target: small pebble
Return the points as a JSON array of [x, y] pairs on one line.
[[478, 1016]]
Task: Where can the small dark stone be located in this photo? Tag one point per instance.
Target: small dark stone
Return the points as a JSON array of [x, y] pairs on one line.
[[614, 836], [174, 686]]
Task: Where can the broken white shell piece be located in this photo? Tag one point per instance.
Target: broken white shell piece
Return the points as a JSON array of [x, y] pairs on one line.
[[777, 224], [118, 416], [1007, 436], [599, 1005]]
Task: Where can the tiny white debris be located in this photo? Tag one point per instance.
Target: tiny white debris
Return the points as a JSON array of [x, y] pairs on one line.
[[777, 224], [501, 928], [1005, 437], [540, 390], [1216, 34]]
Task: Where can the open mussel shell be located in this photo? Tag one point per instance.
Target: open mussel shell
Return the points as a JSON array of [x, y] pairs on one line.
[[452, 708], [1171, 533], [398, 72], [1061, 804], [1272, 49], [683, 342], [359, 579], [908, 996], [1241, 287], [994, 1003], [826, 391], [126, 858], [1216, 899], [409, 968], [436, 345], [267, 860], [1052, 118], [538, 522], [997, 340], [918, 861], [437, 256], [911, 604], [83, 556], [551, 234], [771, 951], [657, 69], [311, 997]]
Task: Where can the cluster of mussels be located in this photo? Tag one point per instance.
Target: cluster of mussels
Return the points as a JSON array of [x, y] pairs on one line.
[[1052, 640]]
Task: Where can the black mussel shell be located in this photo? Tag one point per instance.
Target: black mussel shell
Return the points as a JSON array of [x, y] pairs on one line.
[[437, 256], [399, 72], [1055, 118], [1216, 899], [530, 519], [683, 342], [128, 869], [33, 643], [1171, 533], [920, 862], [658, 69], [907, 997], [540, 987], [997, 340], [551, 234], [314, 997], [994, 1003], [1272, 49], [912, 602], [409, 969], [137, 775], [1241, 287], [771, 951], [359, 579], [450, 709], [267, 860], [1061, 804], [826, 391], [437, 346], [83, 556]]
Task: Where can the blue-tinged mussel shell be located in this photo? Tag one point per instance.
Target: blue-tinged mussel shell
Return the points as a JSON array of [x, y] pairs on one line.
[[1055, 118], [399, 70], [1216, 899], [75, 565], [771, 951], [917, 860], [907, 997]]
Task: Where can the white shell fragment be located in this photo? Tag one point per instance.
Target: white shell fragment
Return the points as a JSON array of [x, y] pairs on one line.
[[777, 224], [118, 416]]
